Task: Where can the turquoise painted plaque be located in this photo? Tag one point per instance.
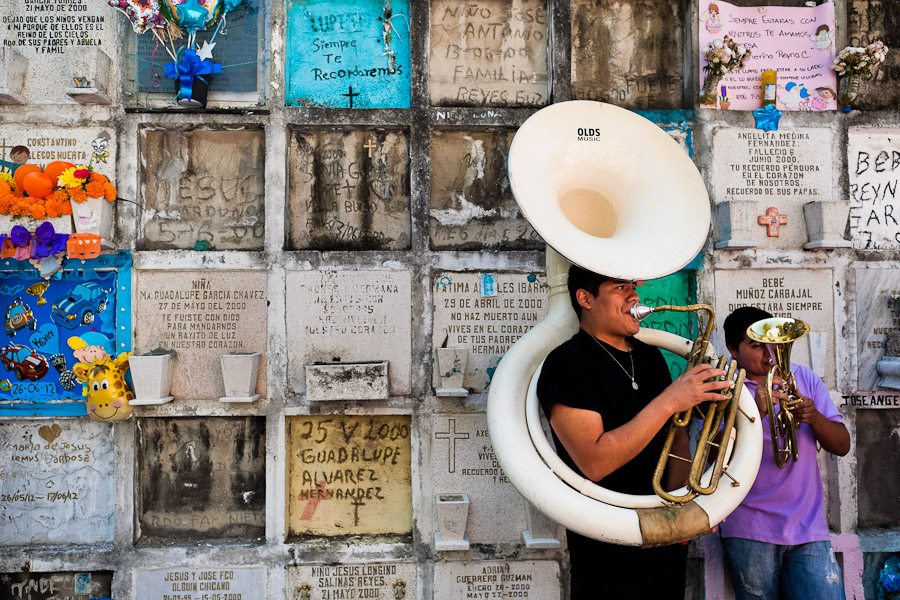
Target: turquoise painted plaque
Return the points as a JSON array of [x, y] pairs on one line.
[[348, 54], [676, 289]]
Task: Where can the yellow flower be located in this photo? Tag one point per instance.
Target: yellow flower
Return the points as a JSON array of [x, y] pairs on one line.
[[68, 180], [6, 177]]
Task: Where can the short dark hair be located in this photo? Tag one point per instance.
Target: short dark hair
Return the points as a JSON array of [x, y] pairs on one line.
[[582, 279], [736, 324]]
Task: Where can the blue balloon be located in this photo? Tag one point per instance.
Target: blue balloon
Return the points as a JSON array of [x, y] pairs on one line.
[[193, 16], [232, 4]]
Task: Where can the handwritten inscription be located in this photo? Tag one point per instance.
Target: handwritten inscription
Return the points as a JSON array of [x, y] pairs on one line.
[[357, 472], [349, 190], [48, 473], [204, 583], [489, 53], [216, 200], [201, 315], [874, 168], [872, 401], [349, 316], [55, 586]]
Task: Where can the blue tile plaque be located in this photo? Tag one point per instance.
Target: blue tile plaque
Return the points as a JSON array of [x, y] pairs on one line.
[[348, 53]]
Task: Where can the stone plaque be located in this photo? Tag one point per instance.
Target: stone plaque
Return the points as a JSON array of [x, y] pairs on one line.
[[348, 53], [45, 145], [57, 37], [349, 190], [203, 189], [349, 316], [463, 462], [876, 316], [489, 53], [379, 581], [869, 21], [55, 586], [472, 206], [201, 478], [349, 475], [504, 580], [200, 583], [57, 482], [873, 164], [201, 315], [875, 400], [877, 456], [237, 49], [486, 313], [622, 53], [806, 294], [784, 169]]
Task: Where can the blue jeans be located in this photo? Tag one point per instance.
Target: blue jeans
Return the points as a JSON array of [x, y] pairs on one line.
[[803, 572]]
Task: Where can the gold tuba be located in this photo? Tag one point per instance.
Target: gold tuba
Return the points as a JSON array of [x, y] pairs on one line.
[[716, 416], [780, 334], [612, 192]]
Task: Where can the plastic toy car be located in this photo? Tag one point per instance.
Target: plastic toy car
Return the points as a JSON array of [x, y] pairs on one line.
[[79, 306], [19, 316], [24, 362]]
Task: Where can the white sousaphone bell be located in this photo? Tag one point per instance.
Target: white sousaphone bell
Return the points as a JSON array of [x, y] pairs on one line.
[[613, 193]]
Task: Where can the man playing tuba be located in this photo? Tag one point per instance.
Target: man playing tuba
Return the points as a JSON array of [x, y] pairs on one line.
[[776, 542], [608, 398]]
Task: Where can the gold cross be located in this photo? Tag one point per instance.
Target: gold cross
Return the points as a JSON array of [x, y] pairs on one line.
[[370, 145]]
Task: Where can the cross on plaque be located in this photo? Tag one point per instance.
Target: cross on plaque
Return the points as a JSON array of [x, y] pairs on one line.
[[773, 221], [350, 95], [370, 145], [356, 504], [452, 436], [310, 508], [4, 148]]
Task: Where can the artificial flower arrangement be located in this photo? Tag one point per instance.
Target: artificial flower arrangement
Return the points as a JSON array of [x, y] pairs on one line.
[[854, 62], [31, 192], [722, 56]]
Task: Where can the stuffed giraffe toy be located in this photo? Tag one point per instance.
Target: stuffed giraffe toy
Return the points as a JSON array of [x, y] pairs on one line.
[[106, 393]]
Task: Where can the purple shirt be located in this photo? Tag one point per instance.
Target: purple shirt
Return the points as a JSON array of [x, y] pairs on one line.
[[785, 506]]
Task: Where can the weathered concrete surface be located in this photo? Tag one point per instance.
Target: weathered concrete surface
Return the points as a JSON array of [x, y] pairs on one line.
[[878, 453], [869, 21]]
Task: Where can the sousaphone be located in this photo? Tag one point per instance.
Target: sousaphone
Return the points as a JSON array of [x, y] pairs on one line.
[[610, 191]]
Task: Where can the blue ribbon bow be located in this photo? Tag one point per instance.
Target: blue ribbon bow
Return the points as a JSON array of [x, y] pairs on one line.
[[190, 66]]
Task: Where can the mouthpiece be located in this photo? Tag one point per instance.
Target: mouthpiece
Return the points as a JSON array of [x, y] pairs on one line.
[[641, 311]]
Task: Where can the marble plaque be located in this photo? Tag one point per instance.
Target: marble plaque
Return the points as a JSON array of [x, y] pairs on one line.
[[203, 189], [201, 478], [348, 53], [504, 580], [622, 53], [53, 36], [784, 169], [806, 294], [486, 313], [200, 583], [45, 145], [201, 315], [57, 482], [472, 206], [489, 53], [349, 316], [379, 581], [867, 22], [349, 475], [873, 165], [876, 316], [877, 456], [463, 462], [349, 190], [55, 586]]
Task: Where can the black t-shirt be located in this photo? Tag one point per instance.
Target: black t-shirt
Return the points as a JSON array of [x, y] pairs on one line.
[[580, 374]]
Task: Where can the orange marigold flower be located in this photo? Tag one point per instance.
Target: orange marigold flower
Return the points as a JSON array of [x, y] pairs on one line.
[[110, 192], [38, 212], [97, 177], [78, 195], [95, 189], [59, 196]]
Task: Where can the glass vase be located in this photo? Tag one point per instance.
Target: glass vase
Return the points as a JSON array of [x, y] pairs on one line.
[[710, 90], [849, 91]]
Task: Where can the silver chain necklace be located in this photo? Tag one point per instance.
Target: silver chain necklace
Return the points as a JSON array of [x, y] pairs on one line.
[[630, 375]]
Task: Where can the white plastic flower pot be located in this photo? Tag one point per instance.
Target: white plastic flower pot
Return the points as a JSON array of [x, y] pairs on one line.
[[151, 376], [95, 215], [239, 374]]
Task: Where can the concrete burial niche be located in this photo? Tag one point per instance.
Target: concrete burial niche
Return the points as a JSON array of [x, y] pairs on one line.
[[878, 453], [200, 478], [489, 53], [871, 20], [27, 585], [376, 580], [472, 206], [202, 189], [349, 190], [623, 53]]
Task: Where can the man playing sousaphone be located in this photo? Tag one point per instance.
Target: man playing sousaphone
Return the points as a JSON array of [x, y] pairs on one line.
[[776, 542], [608, 398]]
